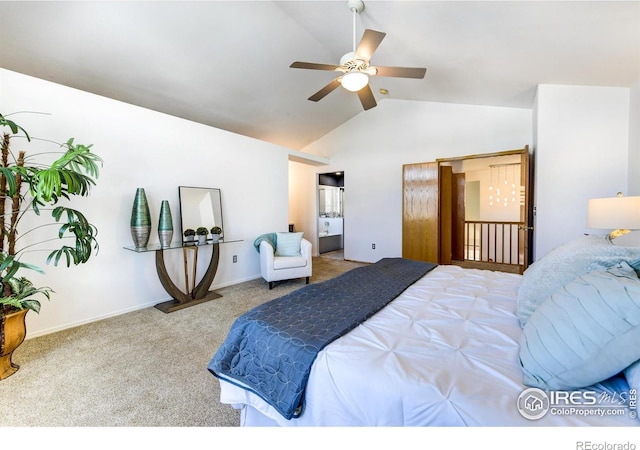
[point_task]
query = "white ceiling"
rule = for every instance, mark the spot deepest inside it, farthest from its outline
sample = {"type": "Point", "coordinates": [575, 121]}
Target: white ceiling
{"type": "Point", "coordinates": [226, 63]}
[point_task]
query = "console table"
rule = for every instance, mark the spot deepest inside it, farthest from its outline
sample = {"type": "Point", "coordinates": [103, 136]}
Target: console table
{"type": "Point", "coordinates": [197, 293]}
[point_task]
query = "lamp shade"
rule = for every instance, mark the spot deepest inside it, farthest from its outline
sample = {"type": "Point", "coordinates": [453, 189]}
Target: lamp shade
{"type": "Point", "coordinates": [614, 213]}
{"type": "Point", "coordinates": [354, 81]}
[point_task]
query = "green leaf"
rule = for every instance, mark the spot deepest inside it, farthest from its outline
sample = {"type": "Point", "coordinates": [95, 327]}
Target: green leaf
{"type": "Point", "coordinates": [32, 304]}
{"type": "Point", "coordinates": [13, 126]}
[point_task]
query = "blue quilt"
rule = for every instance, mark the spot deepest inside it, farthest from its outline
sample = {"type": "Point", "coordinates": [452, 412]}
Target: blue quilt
{"type": "Point", "coordinates": [270, 349]}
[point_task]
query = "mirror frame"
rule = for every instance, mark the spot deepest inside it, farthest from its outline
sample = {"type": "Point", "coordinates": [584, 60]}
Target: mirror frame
{"type": "Point", "coordinates": [187, 196]}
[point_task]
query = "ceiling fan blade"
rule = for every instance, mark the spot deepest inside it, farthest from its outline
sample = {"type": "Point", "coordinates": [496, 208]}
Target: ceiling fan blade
{"type": "Point", "coordinates": [401, 72]}
{"type": "Point", "coordinates": [369, 43]}
{"type": "Point", "coordinates": [314, 66]}
{"type": "Point", "coordinates": [366, 97]}
{"type": "Point", "coordinates": [325, 90]}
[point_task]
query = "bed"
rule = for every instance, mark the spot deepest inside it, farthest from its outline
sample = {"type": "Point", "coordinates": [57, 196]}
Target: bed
{"type": "Point", "coordinates": [467, 347]}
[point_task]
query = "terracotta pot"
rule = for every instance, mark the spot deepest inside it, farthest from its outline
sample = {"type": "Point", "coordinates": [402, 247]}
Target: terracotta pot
{"type": "Point", "coordinates": [12, 333]}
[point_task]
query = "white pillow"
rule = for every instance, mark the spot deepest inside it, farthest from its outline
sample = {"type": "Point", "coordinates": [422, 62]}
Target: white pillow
{"type": "Point", "coordinates": [288, 244]}
{"type": "Point", "coordinates": [585, 332]}
{"type": "Point", "coordinates": [565, 263]}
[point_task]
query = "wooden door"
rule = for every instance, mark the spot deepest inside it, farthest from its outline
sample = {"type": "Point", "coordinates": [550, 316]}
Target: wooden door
{"type": "Point", "coordinates": [420, 227]}
{"type": "Point", "coordinates": [526, 213]}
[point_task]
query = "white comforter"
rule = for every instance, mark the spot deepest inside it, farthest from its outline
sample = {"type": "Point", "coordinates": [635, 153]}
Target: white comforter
{"type": "Point", "coordinates": [443, 353]}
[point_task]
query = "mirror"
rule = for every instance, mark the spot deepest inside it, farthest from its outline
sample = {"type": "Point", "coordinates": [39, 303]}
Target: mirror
{"type": "Point", "coordinates": [200, 207]}
{"type": "Point", "coordinates": [331, 194]}
{"type": "Point", "coordinates": [330, 201]}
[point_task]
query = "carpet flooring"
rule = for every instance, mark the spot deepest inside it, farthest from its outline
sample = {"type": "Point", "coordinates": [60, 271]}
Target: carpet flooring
{"type": "Point", "coordinates": [140, 369]}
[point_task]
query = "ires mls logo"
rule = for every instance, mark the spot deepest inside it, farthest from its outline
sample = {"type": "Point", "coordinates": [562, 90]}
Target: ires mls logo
{"type": "Point", "coordinates": [534, 403]}
{"type": "Point", "coordinates": [574, 398]}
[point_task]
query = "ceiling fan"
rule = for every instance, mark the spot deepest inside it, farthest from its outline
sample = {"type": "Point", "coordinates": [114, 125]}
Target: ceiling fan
{"type": "Point", "coordinates": [355, 68]}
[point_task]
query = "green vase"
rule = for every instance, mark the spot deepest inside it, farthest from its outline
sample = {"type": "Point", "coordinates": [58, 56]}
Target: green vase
{"type": "Point", "coordinates": [140, 219]}
{"type": "Point", "coordinates": [165, 224]}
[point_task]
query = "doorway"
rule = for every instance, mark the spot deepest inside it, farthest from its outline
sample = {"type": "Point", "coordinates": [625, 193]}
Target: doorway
{"type": "Point", "coordinates": [330, 239]}
{"type": "Point", "coordinates": [472, 211]}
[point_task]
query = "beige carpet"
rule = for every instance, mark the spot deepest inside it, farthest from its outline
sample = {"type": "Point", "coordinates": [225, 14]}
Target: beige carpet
{"type": "Point", "coordinates": [145, 368]}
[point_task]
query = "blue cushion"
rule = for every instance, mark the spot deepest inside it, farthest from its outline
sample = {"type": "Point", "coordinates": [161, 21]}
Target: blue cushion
{"type": "Point", "coordinates": [585, 332]}
{"type": "Point", "coordinates": [632, 373]}
{"type": "Point", "coordinates": [288, 244]}
{"type": "Point", "coordinates": [565, 263]}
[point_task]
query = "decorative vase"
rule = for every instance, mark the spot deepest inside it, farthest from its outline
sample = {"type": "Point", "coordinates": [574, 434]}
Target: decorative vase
{"type": "Point", "coordinates": [202, 239]}
{"type": "Point", "coordinates": [12, 333]}
{"type": "Point", "coordinates": [140, 219]}
{"type": "Point", "coordinates": [165, 224]}
{"type": "Point", "coordinates": [215, 237]}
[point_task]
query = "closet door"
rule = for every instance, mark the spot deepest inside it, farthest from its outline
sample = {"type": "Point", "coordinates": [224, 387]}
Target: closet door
{"type": "Point", "coordinates": [420, 211]}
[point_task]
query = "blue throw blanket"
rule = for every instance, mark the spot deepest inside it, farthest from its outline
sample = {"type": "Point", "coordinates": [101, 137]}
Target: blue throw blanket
{"type": "Point", "coordinates": [271, 238]}
{"type": "Point", "coordinates": [270, 349]}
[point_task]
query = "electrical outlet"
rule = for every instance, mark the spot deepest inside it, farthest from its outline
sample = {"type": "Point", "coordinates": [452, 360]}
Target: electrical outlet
{"type": "Point", "coordinates": [373, 246]}
{"type": "Point", "coordinates": [235, 258]}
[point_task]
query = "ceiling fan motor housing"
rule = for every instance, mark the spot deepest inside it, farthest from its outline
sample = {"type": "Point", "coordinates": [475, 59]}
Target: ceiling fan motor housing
{"type": "Point", "coordinates": [356, 5]}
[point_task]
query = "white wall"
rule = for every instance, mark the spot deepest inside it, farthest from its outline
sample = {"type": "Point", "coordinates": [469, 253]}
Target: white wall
{"type": "Point", "coordinates": [302, 210]}
{"type": "Point", "coordinates": [372, 147]}
{"type": "Point", "coordinates": [582, 152]}
{"type": "Point", "coordinates": [143, 148]}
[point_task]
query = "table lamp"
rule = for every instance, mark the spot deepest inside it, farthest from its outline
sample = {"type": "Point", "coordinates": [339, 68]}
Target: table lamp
{"type": "Point", "coordinates": [621, 214]}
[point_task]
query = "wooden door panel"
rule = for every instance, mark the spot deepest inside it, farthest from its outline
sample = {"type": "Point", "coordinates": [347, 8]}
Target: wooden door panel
{"type": "Point", "coordinates": [420, 212]}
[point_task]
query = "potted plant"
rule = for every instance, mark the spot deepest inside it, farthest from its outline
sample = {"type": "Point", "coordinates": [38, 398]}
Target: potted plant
{"type": "Point", "coordinates": [202, 233]}
{"type": "Point", "coordinates": [215, 233]}
{"type": "Point", "coordinates": [29, 187]}
{"type": "Point", "coordinates": [189, 234]}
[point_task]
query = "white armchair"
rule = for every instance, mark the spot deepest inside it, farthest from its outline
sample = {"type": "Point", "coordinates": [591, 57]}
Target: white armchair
{"type": "Point", "coordinates": [278, 268]}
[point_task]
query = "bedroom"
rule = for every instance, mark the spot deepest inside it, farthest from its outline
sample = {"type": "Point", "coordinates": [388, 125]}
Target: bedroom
{"type": "Point", "coordinates": [596, 126]}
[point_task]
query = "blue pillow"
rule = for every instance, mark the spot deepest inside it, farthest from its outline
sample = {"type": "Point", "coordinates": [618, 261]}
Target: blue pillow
{"type": "Point", "coordinates": [632, 374]}
{"type": "Point", "coordinates": [288, 244]}
{"type": "Point", "coordinates": [565, 263]}
{"type": "Point", "coordinates": [585, 332]}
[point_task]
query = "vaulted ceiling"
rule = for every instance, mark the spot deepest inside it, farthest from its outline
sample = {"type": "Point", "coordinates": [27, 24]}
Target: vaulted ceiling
{"type": "Point", "coordinates": [226, 63]}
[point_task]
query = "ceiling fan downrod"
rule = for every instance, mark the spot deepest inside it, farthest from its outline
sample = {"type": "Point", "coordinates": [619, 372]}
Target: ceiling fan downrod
{"type": "Point", "coordinates": [355, 6]}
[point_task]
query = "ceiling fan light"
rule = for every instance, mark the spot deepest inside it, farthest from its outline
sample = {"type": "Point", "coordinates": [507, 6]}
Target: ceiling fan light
{"type": "Point", "coordinates": [354, 81]}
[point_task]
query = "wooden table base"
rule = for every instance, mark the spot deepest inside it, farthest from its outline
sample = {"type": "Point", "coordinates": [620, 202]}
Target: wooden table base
{"type": "Point", "coordinates": [174, 305]}
{"type": "Point", "coordinates": [198, 294]}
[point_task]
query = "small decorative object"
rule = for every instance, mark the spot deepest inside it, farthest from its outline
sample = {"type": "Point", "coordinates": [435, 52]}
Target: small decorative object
{"type": "Point", "coordinates": [189, 234]}
{"type": "Point", "coordinates": [140, 219]}
{"type": "Point", "coordinates": [215, 233]}
{"type": "Point", "coordinates": [202, 233]}
{"type": "Point", "coordinates": [165, 224]}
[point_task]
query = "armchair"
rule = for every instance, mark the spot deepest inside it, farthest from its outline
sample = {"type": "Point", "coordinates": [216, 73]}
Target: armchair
{"type": "Point", "coordinates": [278, 268]}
